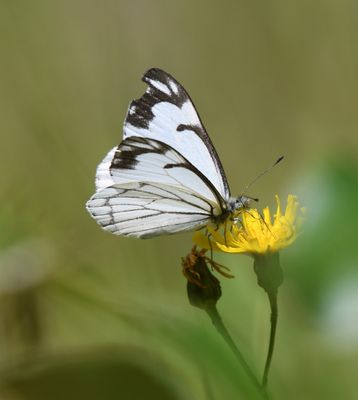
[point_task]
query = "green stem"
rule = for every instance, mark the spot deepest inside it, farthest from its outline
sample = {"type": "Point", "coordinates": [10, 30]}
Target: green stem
{"type": "Point", "coordinates": [221, 328]}
{"type": "Point", "coordinates": [272, 295]}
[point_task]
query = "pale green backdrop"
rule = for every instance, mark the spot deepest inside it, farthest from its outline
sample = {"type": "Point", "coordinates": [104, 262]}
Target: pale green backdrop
{"type": "Point", "coordinates": [87, 315]}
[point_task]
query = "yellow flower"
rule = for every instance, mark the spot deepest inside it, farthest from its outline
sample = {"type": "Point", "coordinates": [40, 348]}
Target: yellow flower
{"type": "Point", "coordinates": [256, 234]}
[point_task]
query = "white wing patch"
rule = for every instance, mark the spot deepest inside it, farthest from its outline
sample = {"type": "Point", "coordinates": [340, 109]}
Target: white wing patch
{"type": "Point", "coordinates": [160, 86]}
{"type": "Point", "coordinates": [166, 113]}
{"type": "Point", "coordinates": [144, 210]}
{"type": "Point", "coordinates": [103, 175]}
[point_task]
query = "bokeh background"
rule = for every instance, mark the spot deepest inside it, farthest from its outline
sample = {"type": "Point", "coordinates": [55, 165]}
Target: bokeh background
{"type": "Point", "coordinates": [87, 315]}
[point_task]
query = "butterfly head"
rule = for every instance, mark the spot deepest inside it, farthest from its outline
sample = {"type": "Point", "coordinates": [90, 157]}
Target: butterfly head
{"type": "Point", "coordinates": [240, 203]}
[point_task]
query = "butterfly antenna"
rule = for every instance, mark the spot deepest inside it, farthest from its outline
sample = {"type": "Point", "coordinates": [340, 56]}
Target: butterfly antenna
{"type": "Point", "coordinates": [261, 174]}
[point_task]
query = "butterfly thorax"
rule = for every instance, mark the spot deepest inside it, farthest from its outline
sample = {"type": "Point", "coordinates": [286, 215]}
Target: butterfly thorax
{"type": "Point", "coordinates": [235, 204]}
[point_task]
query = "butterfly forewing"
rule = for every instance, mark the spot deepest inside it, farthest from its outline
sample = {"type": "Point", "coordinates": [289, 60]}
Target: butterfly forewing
{"type": "Point", "coordinates": [166, 113]}
{"type": "Point", "coordinates": [103, 174]}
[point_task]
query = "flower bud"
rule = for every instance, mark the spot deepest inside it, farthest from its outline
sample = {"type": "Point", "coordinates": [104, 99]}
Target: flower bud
{"type": "Point", "coordinates": [203, 287]}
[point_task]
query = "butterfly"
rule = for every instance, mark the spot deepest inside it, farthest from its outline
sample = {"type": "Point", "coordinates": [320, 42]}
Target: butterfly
{"type": "Point", "coordinates": [165, 176]}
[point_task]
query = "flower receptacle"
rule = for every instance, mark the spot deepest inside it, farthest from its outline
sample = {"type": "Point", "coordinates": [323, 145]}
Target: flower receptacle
{"type": "Point", "coordinates": [268, 271]}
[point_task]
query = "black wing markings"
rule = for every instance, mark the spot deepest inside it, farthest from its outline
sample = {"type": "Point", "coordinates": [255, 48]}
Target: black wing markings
{"type": "Point", "coordinates": [140, 110]}
{"type": "Point", "coordinates": [127, 158]}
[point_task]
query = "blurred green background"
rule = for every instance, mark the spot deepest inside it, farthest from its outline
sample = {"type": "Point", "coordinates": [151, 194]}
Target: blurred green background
{"type": "Point", "coordinates": [84, 314]}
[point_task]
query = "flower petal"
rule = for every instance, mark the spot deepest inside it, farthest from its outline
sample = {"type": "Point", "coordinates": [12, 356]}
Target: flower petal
{"type": "Point", "coordinates": [256, 234]}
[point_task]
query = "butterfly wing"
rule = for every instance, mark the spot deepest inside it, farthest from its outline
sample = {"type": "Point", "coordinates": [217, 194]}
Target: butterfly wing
{"type": "Point", "coordinates": [166, 113]}
{"type": "Point", "coordinates": [145, 210]}
{"type": "Point", "coordinates": [154, 191]}
{"type": "Point", "coordinates": [103, 173]}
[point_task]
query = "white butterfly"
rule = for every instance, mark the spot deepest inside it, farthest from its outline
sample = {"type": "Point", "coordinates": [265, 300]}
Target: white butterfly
{"type": "Point", "coordinates": [165, 176]}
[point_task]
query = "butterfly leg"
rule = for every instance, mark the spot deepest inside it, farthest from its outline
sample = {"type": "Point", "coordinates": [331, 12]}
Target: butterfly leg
{"type": "Point", "coordinates": [210, 245]}
{"type": "Point", "coordinates": [234, 221]}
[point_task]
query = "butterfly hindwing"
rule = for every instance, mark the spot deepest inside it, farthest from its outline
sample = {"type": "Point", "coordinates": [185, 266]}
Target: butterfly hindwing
{"type": "Point", "coordinates": [166, 113]}
{"type": "Point", "coordinates": [144, 210]}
